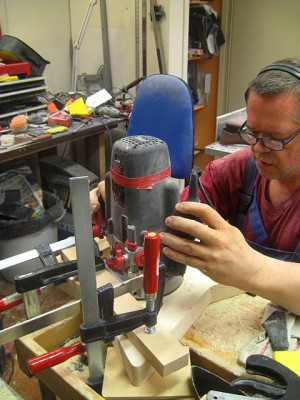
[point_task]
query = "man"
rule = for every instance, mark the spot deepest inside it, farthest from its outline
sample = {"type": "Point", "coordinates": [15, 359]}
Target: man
{"type": "Point", "coordinates": [262, 256]}
{"type": "Point", "coordinates": [272, 226]}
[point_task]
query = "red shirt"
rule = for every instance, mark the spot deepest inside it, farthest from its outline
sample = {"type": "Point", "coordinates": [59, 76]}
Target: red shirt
{"type": "Point", "coordinates": [222, 181]}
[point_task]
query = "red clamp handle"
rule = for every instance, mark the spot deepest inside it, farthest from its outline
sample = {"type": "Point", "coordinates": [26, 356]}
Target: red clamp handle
{"type": "Point", "coordinates": [151, 262]}
{"type": "Point", "coordinates": [52, 358]}
{"type": "Point", "coordinates": [97, 227]}
{"type": "Point", "coordinates": [10, 301]}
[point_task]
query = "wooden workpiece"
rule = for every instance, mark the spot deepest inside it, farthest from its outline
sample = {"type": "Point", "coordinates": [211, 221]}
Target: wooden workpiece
{"type": "Point", "coordinates": [220, 332]}
{"type": "Point", "coordinates": [201, 314]}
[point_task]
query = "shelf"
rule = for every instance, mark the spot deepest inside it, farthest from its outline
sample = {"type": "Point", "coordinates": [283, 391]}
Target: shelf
{"type": "Point", "coordinates": [200, 2]}
{"type": "Point", "coordinates": [196, 58]}
{"type": "Point", "coordinates": [198, 66]}
{"type": "Point", "coordinates": [198, 107]}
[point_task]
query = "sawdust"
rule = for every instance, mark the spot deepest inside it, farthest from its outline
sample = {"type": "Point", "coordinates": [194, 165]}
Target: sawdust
{"type": "Point", "coordinates": [224, 328]}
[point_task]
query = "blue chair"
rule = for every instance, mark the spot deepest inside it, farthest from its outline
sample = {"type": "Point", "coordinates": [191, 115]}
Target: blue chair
{"type": "Point", "coordinates": [163, 108]}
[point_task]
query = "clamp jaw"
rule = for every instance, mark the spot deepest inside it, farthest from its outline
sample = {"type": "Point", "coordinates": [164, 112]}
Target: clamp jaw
{"type": "Point", "coordinates": [111, 325]}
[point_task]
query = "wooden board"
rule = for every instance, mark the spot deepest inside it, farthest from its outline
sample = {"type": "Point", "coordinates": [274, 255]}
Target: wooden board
{"type": "Point", "coordinates": [67, 385]}
{"type": "Point", "coordinates": [220, 332]}
{"type": "Point", "coordinates": [118, 386]}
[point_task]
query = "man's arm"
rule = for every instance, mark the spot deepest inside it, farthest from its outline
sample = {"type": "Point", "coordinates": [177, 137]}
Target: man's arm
{"type": "Point", "coordinates": [223, 254]}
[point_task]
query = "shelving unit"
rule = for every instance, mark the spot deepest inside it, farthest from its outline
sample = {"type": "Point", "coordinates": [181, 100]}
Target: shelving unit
{"type": "Point", "coordinates": [205, 115]}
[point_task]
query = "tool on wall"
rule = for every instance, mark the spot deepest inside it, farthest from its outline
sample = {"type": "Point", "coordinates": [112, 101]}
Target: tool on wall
{"type": "Point", "coordinates": [158, 37]}
{"type": "Point", "coordinates": [104, 73]}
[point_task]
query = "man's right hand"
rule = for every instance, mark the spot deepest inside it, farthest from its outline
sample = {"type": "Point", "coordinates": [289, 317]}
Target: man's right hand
{"type": "Point", "coordinates": [95, 195]}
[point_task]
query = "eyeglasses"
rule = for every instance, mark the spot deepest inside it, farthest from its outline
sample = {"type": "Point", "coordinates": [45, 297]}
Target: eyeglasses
{"type": "Point", "coordinates": [272, 144]}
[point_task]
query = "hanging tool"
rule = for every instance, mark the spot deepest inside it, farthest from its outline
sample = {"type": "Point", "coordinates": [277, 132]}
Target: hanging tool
{"type": "Point", "coordinates": [158, 38]}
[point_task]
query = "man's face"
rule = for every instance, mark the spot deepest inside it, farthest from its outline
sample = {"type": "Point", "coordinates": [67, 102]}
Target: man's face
{"type": "Point", "coordinates": [272, 117]}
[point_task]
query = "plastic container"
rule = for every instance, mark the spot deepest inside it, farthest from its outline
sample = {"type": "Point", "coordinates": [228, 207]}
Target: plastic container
{"type": "Point", "coordinates": [7, 140]}
{"type": "Point", "coordinates": [18, 236]}
{"type": "Point", "coordinates": [18, 124]}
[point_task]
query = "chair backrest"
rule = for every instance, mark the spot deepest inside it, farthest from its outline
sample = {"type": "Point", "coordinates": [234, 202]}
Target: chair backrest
{"type": "Point", "coordinates": [163, 108]}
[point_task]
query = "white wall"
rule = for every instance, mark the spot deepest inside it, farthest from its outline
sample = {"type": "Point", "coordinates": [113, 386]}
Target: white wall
{"type": "Point", "coordinates": [50, 27]}
{"type": "Point", "coordinates": [44, 26]}
{"type": "Point", "coordinates": [258, 32]}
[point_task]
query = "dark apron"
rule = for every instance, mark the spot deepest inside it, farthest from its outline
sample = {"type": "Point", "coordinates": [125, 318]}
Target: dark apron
{"type": "Point", "coordinates": [248, 206]}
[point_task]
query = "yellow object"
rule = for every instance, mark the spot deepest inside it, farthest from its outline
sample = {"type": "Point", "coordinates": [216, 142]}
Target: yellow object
{"type": "Point", "coordinates": [291, 359]}
{"type": "Point", "coordinates": [56, 129]}
{"type": "Point", "coordinates": [78, 107]}
{"type": "Point", "coordinates": [8, 78]}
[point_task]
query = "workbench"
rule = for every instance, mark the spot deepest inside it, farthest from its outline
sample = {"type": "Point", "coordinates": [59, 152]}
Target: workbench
{"type": "Point", "coordinates": [222, 320]}
{"type": "Point", "coordinates": [92, 134]}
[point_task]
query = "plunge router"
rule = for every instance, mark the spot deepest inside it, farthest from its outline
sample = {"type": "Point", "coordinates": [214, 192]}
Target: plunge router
{"type": "Point", "coordinates": [140, 194]}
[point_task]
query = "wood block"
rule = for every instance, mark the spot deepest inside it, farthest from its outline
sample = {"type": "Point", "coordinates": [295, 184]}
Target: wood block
{"type": "Point", "coordinates": [117, 385]}
{"type": "Point", "coordinates": [135, 364]}
{"type": "Point", "coordinates": [161, 349]}
{"type": "Point", "coordinates": [70, 252]}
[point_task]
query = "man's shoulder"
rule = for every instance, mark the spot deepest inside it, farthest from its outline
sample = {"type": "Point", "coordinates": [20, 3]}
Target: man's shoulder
{"type": "Point", "coordinates": [234, 161]}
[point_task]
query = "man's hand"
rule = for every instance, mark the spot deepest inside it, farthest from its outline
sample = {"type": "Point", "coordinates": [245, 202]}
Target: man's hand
{"type": "Point", "coordinates": [220, 252]}
{"type": "Point", "coordinates": [95, 195]}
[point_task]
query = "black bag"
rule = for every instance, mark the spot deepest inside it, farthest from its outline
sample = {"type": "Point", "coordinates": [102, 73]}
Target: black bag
{"type": "Point", "coordinates": [14, 50]}
{"type": "Point", "coordinates": [204, 29]}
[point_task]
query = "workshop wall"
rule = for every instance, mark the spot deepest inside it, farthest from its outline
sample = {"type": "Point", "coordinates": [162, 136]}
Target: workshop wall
{"type": "Point", "coordinates": [44, 26]}
{"type": "Point", "coordinates": [257, 33]}
{"type": "Point", "coordinates": [51, 27]}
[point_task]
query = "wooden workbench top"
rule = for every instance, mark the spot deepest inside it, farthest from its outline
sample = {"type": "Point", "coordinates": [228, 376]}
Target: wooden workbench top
{"type": "Point", "coordinates": [221, 331]}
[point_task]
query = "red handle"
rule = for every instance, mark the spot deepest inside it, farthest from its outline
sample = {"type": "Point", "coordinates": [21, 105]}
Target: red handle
{"type": "Point", "coordinates": [97, 227]}
{"type": "Point", "coordinates": [10, 301]}
{"type": "Point", "coordinates": [151, 261]}
{"type": "Point", "coordinates": [52, 358]}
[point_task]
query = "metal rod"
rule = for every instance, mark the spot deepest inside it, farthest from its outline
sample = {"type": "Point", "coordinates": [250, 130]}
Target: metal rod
{"type": "Point", "coordinates": [79, 189]}
{"type": "Point", "coordinates": [106, 54]}
{"type": "Point", "coordinates": [158, 39]}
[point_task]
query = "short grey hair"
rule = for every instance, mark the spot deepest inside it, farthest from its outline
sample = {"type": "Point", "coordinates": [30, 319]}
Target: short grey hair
{"type": "Point", "coordinates": [276, 82]}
